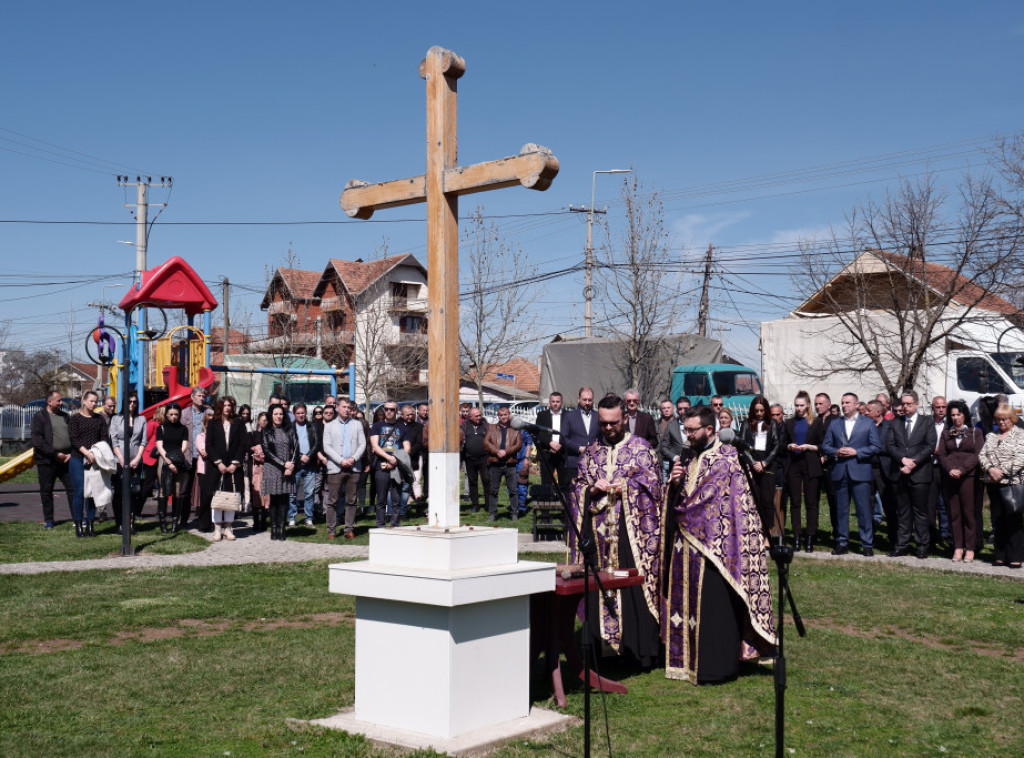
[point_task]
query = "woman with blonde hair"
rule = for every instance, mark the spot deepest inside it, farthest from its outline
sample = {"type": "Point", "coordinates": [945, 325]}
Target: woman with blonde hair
{"type": "Point", "coordinates": [1002, 464]}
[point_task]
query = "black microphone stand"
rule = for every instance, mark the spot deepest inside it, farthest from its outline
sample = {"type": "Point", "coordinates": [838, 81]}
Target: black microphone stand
{"type": "Point", "coordinates": [782, 554]}
{"type": "Point", "coordinates": [588, 549]}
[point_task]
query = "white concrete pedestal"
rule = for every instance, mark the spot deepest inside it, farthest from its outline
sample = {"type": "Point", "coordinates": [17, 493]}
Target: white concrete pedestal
{"type": "Point", "coordinates": [442, 628]}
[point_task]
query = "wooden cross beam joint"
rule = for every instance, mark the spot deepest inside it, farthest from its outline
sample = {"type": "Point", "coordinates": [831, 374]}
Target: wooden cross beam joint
{"type": "Point", "coordinates": [534, 168]}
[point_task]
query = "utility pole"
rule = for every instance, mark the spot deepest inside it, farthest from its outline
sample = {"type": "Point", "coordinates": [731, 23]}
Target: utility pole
{"type": "Point", "coordinates": [702, 314]}
{"type": "Point", "coordinates": [227, 314]}
{"type": "Point", "coordinates": [588, 287]}
{"type": "Point", "coordinates": [141, 214]}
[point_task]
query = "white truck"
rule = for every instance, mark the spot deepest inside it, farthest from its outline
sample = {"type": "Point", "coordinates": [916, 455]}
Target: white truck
{"type": "Point", "coordinates": [984, 356]}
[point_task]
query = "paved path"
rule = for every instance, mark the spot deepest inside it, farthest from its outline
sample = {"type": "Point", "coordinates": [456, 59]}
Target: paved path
{"type": "Point", "coordinates": [258, 548]}
{"type": "Point", "coordinates": [254, 548]}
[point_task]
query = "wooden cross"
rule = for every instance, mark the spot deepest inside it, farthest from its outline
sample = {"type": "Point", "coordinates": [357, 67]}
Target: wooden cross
{"type": "Point", "coordinates": [534, 167]}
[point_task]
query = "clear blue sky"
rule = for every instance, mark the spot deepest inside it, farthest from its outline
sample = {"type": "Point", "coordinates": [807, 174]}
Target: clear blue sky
{"type": "Point", "coordinates": [262, 111]}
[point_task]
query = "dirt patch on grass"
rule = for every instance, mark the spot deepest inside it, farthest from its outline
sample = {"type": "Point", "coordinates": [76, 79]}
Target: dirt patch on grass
{"type": "Point", "coordinates": [876, 632]}
{"type": "Point", "coordinates": [43, 646]}
{"type": "Point", "coordinates": [189, 628]}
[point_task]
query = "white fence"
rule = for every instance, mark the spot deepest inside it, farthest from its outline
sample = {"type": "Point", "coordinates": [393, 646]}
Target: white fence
{"type": "Point", "coordinates": [16, 422]}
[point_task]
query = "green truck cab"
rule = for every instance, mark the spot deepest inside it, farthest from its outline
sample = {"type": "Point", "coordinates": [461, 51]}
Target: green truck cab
{"type": "Point", "coordinates": [735, 383]}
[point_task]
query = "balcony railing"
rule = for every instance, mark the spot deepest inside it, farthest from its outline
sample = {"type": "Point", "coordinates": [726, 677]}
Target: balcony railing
{"type": "Point", "coordinates": [328, 304]}
{"type": "Point", "coordinates": [408, 304]}
{"type": "Point", "coordinates": [281, 306]}
{"type": "Point", "coordinates": [411, 339]}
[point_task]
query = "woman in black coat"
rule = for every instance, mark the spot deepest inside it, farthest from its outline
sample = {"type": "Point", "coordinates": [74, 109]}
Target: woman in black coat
{"type": "Point", "coordinates": [226, 439]}
{"type": "Point", "coordinates": [764, 440]}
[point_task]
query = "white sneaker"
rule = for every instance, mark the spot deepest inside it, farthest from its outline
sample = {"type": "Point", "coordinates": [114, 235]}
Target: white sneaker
{"type": "Point", "coordinates": [291, 522]}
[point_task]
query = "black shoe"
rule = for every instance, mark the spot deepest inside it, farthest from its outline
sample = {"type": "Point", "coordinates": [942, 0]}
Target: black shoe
{"type": "Point", "coordinates": [868, 552]}
{"type": "Point", "coordinates": [922, 553]}
{"type": "Point", "coordinates": [89, 531]}
{"type": "Point", "coordinates": [840, 550]}
{"type": "Point", "coordinates": [79, 531]}
{"type": "Point", "coordinates": [898, 552]}
{"type": "Point", "coordinates": [809, 544]}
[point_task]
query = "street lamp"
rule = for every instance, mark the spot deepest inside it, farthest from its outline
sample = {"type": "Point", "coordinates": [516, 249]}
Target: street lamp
{"type": "Point", "coordinates": [588, 289]}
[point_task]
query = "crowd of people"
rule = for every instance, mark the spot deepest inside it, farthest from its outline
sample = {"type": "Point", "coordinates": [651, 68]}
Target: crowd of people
{"type": "Point", "coordinates": [691, 499]}
{"type": "Point", "coordinates": [208, 463]}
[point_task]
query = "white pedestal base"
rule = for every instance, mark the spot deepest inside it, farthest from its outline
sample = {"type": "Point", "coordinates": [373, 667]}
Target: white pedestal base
{"type": "Point", "coordinates": [442, 628]}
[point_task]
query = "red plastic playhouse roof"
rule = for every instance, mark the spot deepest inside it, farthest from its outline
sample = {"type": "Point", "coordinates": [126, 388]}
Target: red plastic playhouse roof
{"type": "Point", "coordinates": [173, 284]}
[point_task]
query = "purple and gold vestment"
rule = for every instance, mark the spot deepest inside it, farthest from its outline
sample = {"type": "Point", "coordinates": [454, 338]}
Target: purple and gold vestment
{"type": "Point", "coordinates": [717, 529]}
{"type": "Point", "coordinates": [633, 515]}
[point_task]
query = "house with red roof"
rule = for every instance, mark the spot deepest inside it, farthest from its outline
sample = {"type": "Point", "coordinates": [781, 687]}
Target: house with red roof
{"type": "Point", "coordinates": [879, 312]}
{"type": "Point", "coordinates": [370, 313]}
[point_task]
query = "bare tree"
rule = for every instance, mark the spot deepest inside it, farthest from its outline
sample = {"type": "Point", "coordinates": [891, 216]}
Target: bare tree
{"type": "Point", "coordinates": [643, 300]}
{"type": "Point", "coordinates": [495, 323]}
{"type": "Point", "coordinates": [903, 275]}
{"type": "Point", "coordinates": [1010, 164]}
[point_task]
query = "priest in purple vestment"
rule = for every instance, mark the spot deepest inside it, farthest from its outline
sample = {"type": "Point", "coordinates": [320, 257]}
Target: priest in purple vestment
{"type": "Point", "coordinates": [718, 609]}
{"type": "Point", "coordinates": [619, 482]}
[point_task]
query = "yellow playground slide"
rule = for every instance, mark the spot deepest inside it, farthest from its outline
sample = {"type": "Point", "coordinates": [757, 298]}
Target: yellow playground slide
{"type": "Point", "coordinates": [16, 465]}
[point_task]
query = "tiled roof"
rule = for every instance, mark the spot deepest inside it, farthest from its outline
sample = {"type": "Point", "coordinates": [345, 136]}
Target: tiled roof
{"type": "Point", "coordinates": [91, 370]}
{"type": "Point", "coordinates": [965, 291]}
{"type": "Point", "coordinates": [525, 371]}
{"type": "Point", "coordinates": [356, 276]}
{"type": "Point", "coordinates": [300, 282]}
{"type": "Point", "coordinates": [937, 277]}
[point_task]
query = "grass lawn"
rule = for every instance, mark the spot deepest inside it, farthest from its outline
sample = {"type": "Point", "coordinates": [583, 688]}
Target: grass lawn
{"type": "Point", "coordinates": [211, 661]}
{"type": "Point", "coordinates": [24, 541]}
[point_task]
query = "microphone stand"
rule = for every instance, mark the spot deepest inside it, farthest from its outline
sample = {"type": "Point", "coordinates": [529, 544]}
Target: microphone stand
{"type": "Point", "coordinates": [782, 554]}
{"type": "Point", "coordinates": [588, 549]}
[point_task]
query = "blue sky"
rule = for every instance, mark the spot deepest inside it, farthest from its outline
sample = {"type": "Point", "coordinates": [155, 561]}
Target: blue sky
{"type": "Point", "coordinates": [261, 112]}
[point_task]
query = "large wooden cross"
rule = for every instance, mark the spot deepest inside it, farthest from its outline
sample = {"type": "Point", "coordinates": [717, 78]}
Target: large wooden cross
{"type": "Point", "coordinates": [534, 167]}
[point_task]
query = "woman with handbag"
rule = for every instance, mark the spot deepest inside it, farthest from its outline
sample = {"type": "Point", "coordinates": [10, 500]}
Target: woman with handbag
{"type": "Point", "coordinates": [224, 478]}
{"type": "Point", "coordinates": [957, 452]}
{"type": "Point", "coordinates": [281, 457]}
{"type": "Point", "coordinates": [175, 462]}
{"type": "Point", "coordinates": [1002, 462]}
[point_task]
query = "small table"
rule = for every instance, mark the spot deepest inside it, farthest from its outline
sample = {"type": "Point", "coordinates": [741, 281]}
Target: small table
{"type": "Point", "coordinates": [552, 628]}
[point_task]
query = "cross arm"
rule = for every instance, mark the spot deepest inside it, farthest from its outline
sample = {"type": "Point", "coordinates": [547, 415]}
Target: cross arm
{"type": "Point", "coordinates": [534, 167]}
{"type": "Point", "coordinates": [360, 199]}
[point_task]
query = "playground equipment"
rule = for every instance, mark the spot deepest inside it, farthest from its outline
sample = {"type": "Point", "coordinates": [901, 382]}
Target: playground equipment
{"type": "Point", "coordinates": [16, 465]}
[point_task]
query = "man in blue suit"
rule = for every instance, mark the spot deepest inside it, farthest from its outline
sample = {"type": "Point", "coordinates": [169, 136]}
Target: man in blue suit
{"type": "Point", "coordinates": [852, 442]}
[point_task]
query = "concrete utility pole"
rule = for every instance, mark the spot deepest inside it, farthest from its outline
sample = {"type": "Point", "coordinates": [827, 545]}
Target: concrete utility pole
{"type": "Point", "coordinates": [702, 314]}
{"type": "Point", "coordinates": [588, 286]}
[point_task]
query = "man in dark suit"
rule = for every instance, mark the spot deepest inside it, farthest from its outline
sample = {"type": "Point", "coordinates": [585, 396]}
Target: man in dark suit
{"type": "Point", "coordinates": [579, 429]}
{"type": "Point", "coordinates": [639, 423]}
{"type": "Point", "coordinates": [911, 445]}
{"type": "Point", "coordinates": [550, 451]}
{"type": "Point", "coordinates": [853, 442]}
{"type": "Point", "coordinates": [881, 464]}
{"type": "Point", "coordinates": [673, 439]}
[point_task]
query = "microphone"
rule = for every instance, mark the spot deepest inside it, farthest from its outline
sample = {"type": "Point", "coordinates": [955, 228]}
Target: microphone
{"type": "Point", "coordinates": [729, 437]}
{"type": "Point", "coordinates": [532, 428]}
